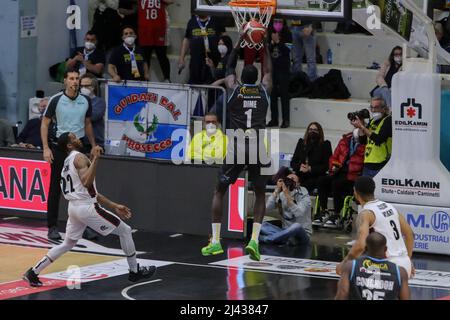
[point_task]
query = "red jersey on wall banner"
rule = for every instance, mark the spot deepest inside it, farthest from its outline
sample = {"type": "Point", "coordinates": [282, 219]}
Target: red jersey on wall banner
{"type": "Point", "coordinates": [153, 24]}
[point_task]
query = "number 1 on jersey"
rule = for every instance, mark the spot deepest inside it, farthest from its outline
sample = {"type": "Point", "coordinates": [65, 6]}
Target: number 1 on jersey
{"type": "Point", "coordinates": [249, 118]}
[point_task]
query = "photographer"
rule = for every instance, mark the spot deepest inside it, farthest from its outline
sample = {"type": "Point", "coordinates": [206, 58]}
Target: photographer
{"type": "Point", "coordinates": [378, 135]}
{"type": "Point", "coordinates": [294, 205]}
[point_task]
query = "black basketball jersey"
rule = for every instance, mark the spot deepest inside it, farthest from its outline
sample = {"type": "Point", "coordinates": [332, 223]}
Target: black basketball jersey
{"type": "Point", "coordinates": [247, 107]}
{"type": "Point", "coordinates": [374, 279]}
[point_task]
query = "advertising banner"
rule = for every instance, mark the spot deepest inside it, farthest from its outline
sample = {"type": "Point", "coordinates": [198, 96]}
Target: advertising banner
{"type": "Point", "coordinates": [415, 174]}
{"type": "Point", "coordinates": [24, 184]}
{"type": "Point", "coordinates": [396, 16]}
{"type": "Point", "coordinates": [431, 226]}
{"type": "Point", "coordinates": [146, 118]}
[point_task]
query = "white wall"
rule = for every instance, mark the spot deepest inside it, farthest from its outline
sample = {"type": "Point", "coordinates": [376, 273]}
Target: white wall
{"type": "Point", "coordinates": [53, 36]}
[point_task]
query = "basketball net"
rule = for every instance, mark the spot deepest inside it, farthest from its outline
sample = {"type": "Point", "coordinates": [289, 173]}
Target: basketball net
{"type": "Point", "coordinates": [245, 10]}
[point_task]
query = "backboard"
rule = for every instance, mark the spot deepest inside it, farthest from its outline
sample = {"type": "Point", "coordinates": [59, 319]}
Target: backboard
{"type": "Point", "coordinates": [291, 9]}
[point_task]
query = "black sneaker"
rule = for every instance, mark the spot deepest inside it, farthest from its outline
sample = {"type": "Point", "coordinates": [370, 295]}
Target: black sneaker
{"type": "Point", "coordinates": [285, 125]}
{"type": "Point", "coordinates": [32, 278]}
{"type": "Point", "coordinates": [331, 223]}
{"type": "Point", "coordinates": [53, 234]}
{"type": "Point", "coordinates": [143, 273]}
{"type": "Point", "coordinates": [272, 123]}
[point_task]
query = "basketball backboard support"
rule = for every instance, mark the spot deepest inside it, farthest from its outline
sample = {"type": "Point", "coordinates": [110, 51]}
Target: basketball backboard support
{"type": "Point", "coordinates": [323, 10]}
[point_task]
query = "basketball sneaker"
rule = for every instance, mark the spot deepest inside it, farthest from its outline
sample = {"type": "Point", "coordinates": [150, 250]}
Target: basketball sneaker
{"type": "Point", "coordinates": [32, 278]}
{"type": "Point", "coordinates": [212, 249]}
{"type": "Point", "coordinates": [143, 273]}
{"type": "Point", "coordinates": [253, 250]}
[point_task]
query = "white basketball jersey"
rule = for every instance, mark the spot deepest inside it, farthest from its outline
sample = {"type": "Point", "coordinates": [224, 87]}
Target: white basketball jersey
{"type": "Point", "coordinates": [388, 224]}
{"type": "Point", "coordinates": [71, 186]}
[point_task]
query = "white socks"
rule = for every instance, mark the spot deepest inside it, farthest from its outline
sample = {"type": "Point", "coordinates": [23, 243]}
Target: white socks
{"type": "Point", "coordinates": [256, 231]}
{"type": "Point", "coordinates": [215, 233]}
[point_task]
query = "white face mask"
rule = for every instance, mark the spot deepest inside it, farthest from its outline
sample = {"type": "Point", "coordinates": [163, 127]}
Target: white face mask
{"type": "Point", "coordinates": [211, 129]}
{"type": "Point", "coordinates": [377, 116]}
{"type": "Point", "coordinates": [130, 41]}
{"type": "Point", "coordinates": [86, 92]}
{"type": "Point", "coordinates": [398, 60]}
{"type": "Point", "coordinates": [89, 45]}
{"type": "Point", "coordinates": [102, 7]}
{"type": "Point", "coordinates": [356, 134]}
{"type": "Point", "coordinates": [223, 50]}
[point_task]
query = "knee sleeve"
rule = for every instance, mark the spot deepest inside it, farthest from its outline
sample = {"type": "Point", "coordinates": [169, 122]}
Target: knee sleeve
{"type": "Point", "coordinates": [58, 251]}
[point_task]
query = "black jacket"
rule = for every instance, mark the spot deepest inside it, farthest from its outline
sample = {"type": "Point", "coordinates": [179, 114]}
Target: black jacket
{"type": "Point", "coordinates": [318, 156]}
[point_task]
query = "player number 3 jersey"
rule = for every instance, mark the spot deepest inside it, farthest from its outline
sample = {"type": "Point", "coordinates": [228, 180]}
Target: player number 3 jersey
{"type": "Point", "coordinates": [388, 224]}
{"type": "Point", "coordinates": [71, 185]}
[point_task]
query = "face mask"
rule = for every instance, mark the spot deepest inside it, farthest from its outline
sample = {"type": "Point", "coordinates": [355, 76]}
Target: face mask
{"type": "Point", "coordinates": [377, 116]}
{"type": "Point", "coordinates": [86, 92]}
{"type": "Point", "coordinates": [398, 60]}
{"type": "Point", "coordinates": [222, 49]}
{"type": "Point", "coordinates": [211, 129]}
{"type": "Point", "coordinates": [278, 26]}
{"type": "Point", "coordinates": [130, 40]}
{"type": "Point", "coordinates": [313, 136]}
{"type": "Point", "coordinates": [89, 45]}
{"type": "Point", "coordinates": [102, 7]}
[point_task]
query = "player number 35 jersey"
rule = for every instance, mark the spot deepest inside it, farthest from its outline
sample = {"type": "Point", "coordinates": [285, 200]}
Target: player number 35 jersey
{"type": "Point", "coordinates": [71, 185]}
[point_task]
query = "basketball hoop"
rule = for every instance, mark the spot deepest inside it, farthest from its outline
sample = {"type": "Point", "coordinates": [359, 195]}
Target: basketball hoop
{"type": "Point", "coordinates": [246, 10]}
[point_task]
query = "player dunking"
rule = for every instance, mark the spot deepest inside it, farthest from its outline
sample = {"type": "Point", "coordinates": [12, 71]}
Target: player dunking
{"type": "Point", "coordinates": [246, 109]}
{"type": "Point", "coordinates": [85, 209]}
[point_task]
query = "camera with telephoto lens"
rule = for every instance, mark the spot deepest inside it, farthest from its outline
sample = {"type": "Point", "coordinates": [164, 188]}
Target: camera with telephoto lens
{"type": "Point", "coordinates": [289, 183]}
{"type": "Point", "coordinates": [362, 114]}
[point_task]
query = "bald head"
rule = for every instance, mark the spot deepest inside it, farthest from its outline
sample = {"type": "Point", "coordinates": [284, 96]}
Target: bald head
{"type": "Point", "coordinates": [376, 245]}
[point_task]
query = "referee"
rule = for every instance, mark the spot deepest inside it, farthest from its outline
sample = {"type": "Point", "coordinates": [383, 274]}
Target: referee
{"type": "Point", "coordinates": [71, 111]}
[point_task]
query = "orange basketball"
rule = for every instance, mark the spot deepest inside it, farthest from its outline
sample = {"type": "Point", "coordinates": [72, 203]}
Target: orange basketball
{"type": "Point", "coordinates": [254, 31]}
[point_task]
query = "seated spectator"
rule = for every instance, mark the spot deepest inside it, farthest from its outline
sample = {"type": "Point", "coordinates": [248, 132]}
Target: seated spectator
{"type": "Point", "coordinates": [201, 39]}
{"type": "Point", "coordinates": [377, 136]}
{"type": "Point", "coordinates": [7, 138]}
{"type": "Point", "coordinates": [294, 205]}
{"type": "Point", "coordinates": [210, 145]}
{"type": "Point", "coordinates": [127, 61]}
{"type": "Point", "coordinates": [310, 159]}
{"type": "Point", "coordinates": [89, 87]}
{"type": "Point", "coordinates": [30, 137]}
{"type": "Point", "coordinates": [385, 74]}
{"type": "Point", "coordinates": [280, 52]}
{"type": "Point", "coordinates": [345, 166]}
{"type": "Point", "coordinates": [88, 58]}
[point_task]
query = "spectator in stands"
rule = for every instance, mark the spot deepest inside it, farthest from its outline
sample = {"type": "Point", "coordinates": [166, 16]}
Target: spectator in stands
{"type": "Point", "coordinates": [218, 71]}
{"type": "Point", "coordinates": [385, 74]}
{"type": "Point", "coordinates": [377, 136]}
{"type": "Point", "coordinates": [107, 24]}
{"type": "Point", "coordinates": [345, 166]}
{"type": "Point", "coordinates": [88, 58]}
{"type": "Point", "coordinates": [154, 32]}
{"type": "Point", "coordinates": [30, 137]}
{"type": "Point", "coordinates": [201, 38]}
{"type": "Point", "coordinates": [89, 87]}
{"type": "Point", "coordinates": [128, 12]}
{"type": "Point", "coordinates": [280, 52]}
{"type": "Point", "coordinates": [127, 60]}
{"type": "Point", "coordinates": [294, 205]}
{"type": "Point", "coordinates": [210, 145]}
{"type": "Point", "coordinates": [310, 159]}
{"type": "Point", "coordinates": [6, 134]}
{"type": "Point", "coordinates": [304, 40]}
